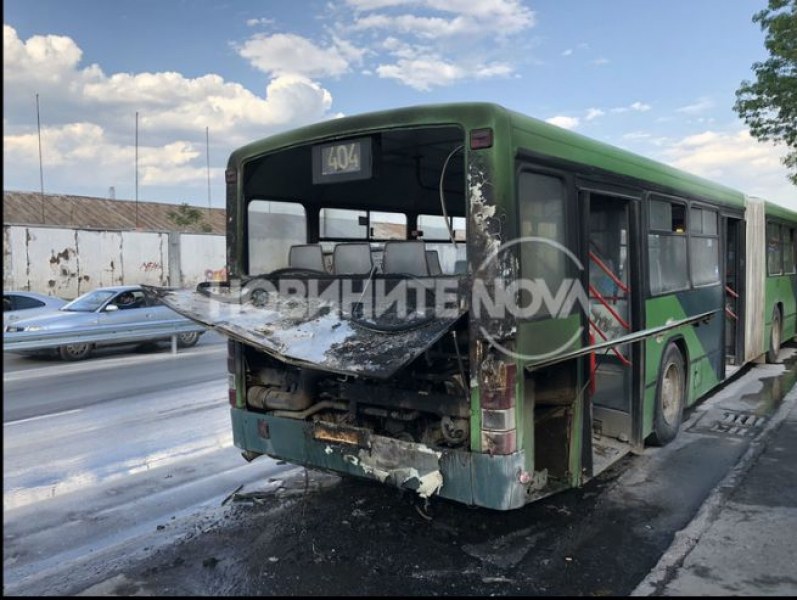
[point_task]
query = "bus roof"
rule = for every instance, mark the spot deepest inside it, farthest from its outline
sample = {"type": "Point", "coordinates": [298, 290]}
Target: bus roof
{"type": "Point", "coordinates": [534, 134]}
{"type": "Point", "coordinates": [776, 210]}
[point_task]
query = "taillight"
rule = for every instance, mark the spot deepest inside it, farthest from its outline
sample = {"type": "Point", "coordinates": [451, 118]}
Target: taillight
{"type": "Point", "coordinates": [232, 390]}
{"type": "Point", "coordinates": [232, 353]}
{"type": "Point", "coordinates": [499, 429]}
{"type": "Point", "coordinates": [233, 349]}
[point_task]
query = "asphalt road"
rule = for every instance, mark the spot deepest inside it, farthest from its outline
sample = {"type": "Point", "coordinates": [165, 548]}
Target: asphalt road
{"type": "Point", "coordinates": [119, 476]}
{"type": "Point", "coordinates": [30, 384]}
{"type": "Point", "coordinates": [99, 454]}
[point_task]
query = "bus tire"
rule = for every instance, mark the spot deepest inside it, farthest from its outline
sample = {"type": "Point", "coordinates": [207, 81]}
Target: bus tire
{"type": "Point", "coordinates": [775, 337]}
{"type": "Point", "coordinates": [670, 397]}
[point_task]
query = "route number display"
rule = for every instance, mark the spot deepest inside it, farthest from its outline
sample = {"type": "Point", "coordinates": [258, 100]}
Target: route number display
{"type": "Point", "coordinates": [342, 161]}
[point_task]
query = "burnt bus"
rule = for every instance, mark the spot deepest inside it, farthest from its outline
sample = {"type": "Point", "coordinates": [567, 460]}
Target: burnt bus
{"type": "Point", "coordinates": [468, 302]}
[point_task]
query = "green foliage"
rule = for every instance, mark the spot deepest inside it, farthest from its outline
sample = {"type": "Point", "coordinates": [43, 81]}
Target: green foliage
{"type": "Point", "coordinates": [188, 216]}
{"type": "Point", "coordinates": [769, 104]}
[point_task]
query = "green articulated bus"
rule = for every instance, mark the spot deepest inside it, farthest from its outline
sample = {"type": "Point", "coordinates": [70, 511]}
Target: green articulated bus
{"type": "Point", "coordinates": [467, 302]}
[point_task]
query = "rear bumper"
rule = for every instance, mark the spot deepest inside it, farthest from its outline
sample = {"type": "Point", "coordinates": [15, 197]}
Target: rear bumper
{"type": "Point", "coordinates": [467, 477]}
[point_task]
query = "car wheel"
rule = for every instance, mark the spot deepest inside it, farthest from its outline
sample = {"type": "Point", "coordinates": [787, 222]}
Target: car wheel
{"type": "Point", "coordinates": [186, 340]}
{"type": "Point", "coordinates": [75, 351]}
{"type": "Point", "coordinates": [670, 397]}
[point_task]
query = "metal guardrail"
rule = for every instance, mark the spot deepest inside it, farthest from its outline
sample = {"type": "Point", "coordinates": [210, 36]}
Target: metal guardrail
{"type": "Point", "coordinates": [40, 340]}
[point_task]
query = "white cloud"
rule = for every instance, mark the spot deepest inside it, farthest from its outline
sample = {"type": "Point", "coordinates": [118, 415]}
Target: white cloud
{"type": "Point", "coordinates": [418, 43]}
{"type": "Point", "coordinates": [734, 159]}
{"type": "Point", "coordinates": [567, 52]}
{"type": "Point", "coordinates": [435, 45]}
{"type": "Point", "coordinates": [636, 135]}
{"type": "Point", "coordinates": [594, 113]}
{"type": "Point", "coordinates": [702, 105]}
{"type": "Point", "coordinates": [365, 5]}
{"type": "Point", "coordinates": [563, 121]}
{"type": "Point", "coordinates": [485, 19]}
{"type": "Point", "coordinates": [635, 106]}
{"type": "Point", "coordinates": [288, 53]}
{"type": "Point", "coordinates": [423, 74]}
{"type": "Point", "coordinates": [260, 21]}
{"type": "Point", "coordinates": [600, 61]}
{"type": "Point", "coordinates": [88, 118]}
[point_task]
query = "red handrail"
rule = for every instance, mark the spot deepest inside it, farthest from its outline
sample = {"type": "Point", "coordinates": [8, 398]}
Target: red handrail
{"type": "Point", "coordinates": [603, 301]}
{"type": "Point", "coordinates": [617, 353]}
{"type": "Point", "coordinates": [731, 292]}
{"type": "Point", "coordinates": [608, 271]}
{"type": "Point", "coordinates": [593, 367]}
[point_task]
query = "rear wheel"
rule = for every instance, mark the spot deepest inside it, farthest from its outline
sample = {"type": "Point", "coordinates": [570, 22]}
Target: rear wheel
{"type": "Point", "coordinates": [186, 340]}
{"type": "Point", "coordinates": [670, 397]}
{"type": "Point", "coordinates": [75, 351]}
{"type": "Point", "coordinates": [775, 337]}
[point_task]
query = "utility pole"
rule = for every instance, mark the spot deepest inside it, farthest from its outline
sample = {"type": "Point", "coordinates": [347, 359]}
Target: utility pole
{"type": "Point", "coordinates": [136, 169]}
{"type": "Point", "coordinates": [41, 167]}
{"type": "Point", "coordinates": [207, 152]}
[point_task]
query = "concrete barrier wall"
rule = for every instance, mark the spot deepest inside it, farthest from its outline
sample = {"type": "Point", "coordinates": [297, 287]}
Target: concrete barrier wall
{"type": "Point", "coordinates": [202, 258]}
{"type": "Point", "coordinates": [70, 262]}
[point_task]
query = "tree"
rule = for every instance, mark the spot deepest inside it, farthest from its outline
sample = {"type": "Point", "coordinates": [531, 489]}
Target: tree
{"type": "Point", "coordinates": [769, 104]}
{"type": "Point", "coordinates": [188, 216]}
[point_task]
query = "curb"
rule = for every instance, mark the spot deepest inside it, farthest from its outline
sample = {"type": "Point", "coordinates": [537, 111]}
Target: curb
{"type": "Point", "coordinates": [687, 538]}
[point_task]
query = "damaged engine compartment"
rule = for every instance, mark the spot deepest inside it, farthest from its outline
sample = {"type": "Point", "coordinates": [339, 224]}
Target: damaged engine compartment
{"type": "Point", "coordinates": [426, 402]}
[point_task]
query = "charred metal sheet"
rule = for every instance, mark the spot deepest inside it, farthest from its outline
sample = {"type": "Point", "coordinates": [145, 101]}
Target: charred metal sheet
{"type": "Point", "coordinates": [492, 336]}
{"type": "Point", "coordinates": [311, 333]}
{"type": "Point", "coordinates": [403, 464]}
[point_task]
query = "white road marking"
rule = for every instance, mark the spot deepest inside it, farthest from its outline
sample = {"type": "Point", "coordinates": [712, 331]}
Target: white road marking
{"type": "Point", "coordinates": [96, 365]}
{"type": "Point", "coordinates": [37, 418]}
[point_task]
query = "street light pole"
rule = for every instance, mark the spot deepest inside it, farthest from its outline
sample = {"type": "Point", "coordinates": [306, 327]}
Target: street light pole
{"type": "Point", "coordinates": [41, 167]}
{"type": "Point", "coordinates": [136, 169]}
{"type": "Point", "coordinates": [207, 152]}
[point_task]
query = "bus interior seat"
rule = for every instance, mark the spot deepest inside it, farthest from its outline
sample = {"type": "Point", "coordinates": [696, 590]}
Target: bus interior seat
{"type": "Point", "coordinates": [433, 263]}
{"type": "Point", "coordinates": [306, 256]}
{"type": "Point", "coordinates": [352, 258]}
{"type": "Point", "coordinates": [460, 267]}
{"type": "Point", "coordinates": [405, 257]}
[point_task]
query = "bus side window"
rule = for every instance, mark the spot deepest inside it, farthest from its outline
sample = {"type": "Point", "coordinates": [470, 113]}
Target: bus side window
{"type": "Point", "coordinates": [542, 214]}
{"type": "Point", "coordinates": [774, 250]}
{"type": "Point", "coordinates": [667, 247]}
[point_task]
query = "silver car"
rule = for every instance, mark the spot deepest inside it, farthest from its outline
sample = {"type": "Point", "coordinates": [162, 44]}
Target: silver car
{"type": "Point", "coordinates": [123, 306]}
{"type": "Point", "coordinates": [21, 305]}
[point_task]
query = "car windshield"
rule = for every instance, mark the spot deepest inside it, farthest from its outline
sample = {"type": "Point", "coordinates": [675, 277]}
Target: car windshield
{"type": "Point", "coordinates": [89, 302]}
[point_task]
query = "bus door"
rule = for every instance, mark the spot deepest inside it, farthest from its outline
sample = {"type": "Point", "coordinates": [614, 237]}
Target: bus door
{"type": "Point", "coordinates": [733, 229]}
{"type": "Point", "coordinates": [612, 257]}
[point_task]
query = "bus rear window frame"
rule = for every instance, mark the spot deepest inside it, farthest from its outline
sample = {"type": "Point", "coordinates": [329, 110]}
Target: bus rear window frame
{"type": "Point", "coordinates": [368, 237]}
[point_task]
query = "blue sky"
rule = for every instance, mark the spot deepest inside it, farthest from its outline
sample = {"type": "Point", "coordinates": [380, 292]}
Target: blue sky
{"type": "Point", "coordinates": [657, 78]}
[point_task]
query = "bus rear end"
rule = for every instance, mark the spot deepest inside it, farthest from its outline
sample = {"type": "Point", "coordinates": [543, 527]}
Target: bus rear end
{"type": "Point", "coordinates": [353, 248]}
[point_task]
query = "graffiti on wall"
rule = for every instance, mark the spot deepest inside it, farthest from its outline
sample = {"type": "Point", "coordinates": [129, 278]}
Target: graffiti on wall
{"type": "Point", "coordinates": [216, 274]}
{"type": "Point", "coordinates": [69, 262]}
{"type": "Point", "coordinates": [150, 266]}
